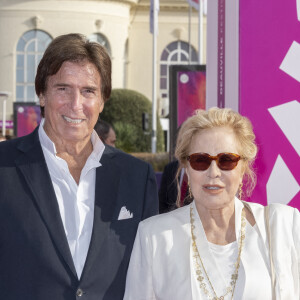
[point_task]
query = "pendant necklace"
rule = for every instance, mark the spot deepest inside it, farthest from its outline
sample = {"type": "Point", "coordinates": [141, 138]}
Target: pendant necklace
{"type": "Point", "coordinates": [202, 274]}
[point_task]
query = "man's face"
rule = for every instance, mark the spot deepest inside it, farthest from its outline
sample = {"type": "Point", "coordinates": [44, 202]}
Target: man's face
{"type": "Point", "coordinates": [72, 102]}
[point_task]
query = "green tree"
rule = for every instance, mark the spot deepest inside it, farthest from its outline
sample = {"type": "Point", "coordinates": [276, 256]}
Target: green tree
{"type": "Point", "coordinates": [124, 110]}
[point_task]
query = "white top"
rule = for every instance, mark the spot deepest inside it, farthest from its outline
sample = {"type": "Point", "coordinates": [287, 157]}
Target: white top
{"type": "Point", "coordinates": [219, 262]}
{"type": "Point", "coordinates": [76, 202]}
{"type": "Point", "coordinates": [162, 265]}
{"type": "Point", "coordinates": [225, 257]}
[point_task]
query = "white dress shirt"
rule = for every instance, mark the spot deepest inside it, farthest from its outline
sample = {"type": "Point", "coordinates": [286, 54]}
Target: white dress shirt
{"type": "Point", "coordinates": [76, 202]}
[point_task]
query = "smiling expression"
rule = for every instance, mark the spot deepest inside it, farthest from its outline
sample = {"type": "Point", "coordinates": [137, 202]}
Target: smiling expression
{"type": "Point", "coordinates": [72, 102]}
{"type": "Point", "coordinates": [214, 188]}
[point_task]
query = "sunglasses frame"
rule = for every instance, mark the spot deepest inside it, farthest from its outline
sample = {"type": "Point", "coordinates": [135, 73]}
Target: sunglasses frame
{"type": "Point", "coordinates": [216, 158]}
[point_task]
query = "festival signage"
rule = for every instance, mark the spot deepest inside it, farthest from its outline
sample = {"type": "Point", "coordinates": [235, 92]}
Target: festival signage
{"type": "Point", "coordinates": [269, 66]}
{"type": "Point", "coordinates": [261, 63]}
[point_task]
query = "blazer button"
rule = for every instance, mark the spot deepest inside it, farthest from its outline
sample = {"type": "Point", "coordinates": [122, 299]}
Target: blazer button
{"type": "Point", "coordinates": [79, 293]}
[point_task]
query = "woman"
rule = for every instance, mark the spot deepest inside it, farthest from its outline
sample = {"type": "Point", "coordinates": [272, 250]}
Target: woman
{"type": "Point", "coordinates": [217, 247]}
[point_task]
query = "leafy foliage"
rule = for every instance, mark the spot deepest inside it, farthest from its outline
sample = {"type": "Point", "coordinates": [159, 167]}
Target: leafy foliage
{"type": "Point", "coordinates": [124, 111]}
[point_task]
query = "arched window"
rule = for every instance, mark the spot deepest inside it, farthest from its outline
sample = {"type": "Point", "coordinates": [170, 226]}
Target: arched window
{"type": "Point", "coordinates": [176, 53]}
{"type": "Point", "coordinates": [30, 49]}
{"type": "Point", "coordinates": [102, 40]}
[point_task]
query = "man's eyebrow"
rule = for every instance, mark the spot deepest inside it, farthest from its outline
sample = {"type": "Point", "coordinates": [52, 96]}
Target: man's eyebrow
{"type": "Point", "coordinates": [67, 85]}
{"type": "Point", "coordinates": [94, 88]}
{"type": "Point", "coordinates": [61, 85]}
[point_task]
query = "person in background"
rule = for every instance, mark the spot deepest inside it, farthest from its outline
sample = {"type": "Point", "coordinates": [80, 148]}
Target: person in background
{"type": "Point", "coordinates": [5, 137]}
{"type": "Point", "coordinates": [106, 133]}
{"type": "Point", "coordinates": [168, 190]}
{"type": "Point", "coordinates": [70, 206]}
{"type": "Point", "coordinates": [218, 246]}
{"type": "Point", "coordinates": [171, 183]}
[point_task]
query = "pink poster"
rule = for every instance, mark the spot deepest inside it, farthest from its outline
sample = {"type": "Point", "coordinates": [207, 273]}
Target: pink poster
{"type": "Point", "coordinates": [27, 117]}
{"type": "Point", "coordinates": [187, 88]}
{"type": "Point", "coordinates": [269, 94]}
{"type": "Point", "coordinates": [191, 93]}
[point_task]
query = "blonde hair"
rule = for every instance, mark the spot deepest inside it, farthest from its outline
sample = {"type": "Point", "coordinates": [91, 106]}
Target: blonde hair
{"type": "Point", "coordinates": [219, 117]}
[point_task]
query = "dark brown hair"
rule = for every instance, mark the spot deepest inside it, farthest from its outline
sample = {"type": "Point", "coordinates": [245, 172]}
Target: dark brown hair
{"type": "Point", "coordinates": [73, 47]}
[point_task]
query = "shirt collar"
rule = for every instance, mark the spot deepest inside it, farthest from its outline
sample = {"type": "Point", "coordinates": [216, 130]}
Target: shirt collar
{"type": "Point", "coordinates": [98, 146]}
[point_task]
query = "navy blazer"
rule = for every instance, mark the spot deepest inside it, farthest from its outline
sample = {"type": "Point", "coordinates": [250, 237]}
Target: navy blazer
{"type": "Point", "coordinates": [35, 259]}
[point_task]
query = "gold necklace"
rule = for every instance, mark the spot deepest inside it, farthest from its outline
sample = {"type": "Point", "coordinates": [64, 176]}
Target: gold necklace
{"type": "Point", "coordinates": [197, 258]}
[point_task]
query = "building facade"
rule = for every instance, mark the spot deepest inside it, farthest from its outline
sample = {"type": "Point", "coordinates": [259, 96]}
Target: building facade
{"type": "Point", "coordinates": [122, 26]}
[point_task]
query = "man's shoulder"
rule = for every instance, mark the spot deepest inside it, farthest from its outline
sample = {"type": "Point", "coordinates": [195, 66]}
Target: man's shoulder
{"type": "Point", "coordinates": [11, 149]}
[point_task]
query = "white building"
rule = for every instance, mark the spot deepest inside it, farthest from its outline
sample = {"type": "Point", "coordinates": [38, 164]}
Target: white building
{"type": "Point", "coordinates": [122, 26]}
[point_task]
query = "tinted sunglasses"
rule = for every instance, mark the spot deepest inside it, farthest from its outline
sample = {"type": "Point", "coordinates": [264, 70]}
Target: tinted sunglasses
{"type": "Point", "coordinates": [202, 161]}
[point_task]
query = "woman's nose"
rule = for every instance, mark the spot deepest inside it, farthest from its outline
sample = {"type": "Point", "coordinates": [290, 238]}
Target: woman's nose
{"type": "Point", "coordinates": [213, 171]}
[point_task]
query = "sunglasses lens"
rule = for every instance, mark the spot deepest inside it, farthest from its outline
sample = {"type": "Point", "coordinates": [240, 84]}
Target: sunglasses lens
{"type": "Point", "coordinates": [228, 162]}
{"type": "Point", "coordinates": [200, 162]}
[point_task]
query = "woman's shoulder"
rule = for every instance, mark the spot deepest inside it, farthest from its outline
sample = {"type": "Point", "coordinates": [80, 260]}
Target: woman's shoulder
{"type": "Point", "coordinates": [284, 212]}
{"type": "Point", "coordinates": [165, 221]}
{"type": "Point", "coordinates": [277, 208]}
{"type": "Point", "coordinates": [278, 212]}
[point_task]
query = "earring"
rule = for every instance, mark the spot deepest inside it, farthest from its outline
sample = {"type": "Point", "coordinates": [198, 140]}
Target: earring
{"type": "Point", "coordinates": [190, 191]}
{"type": "Point", "coordinates": [241, 191]}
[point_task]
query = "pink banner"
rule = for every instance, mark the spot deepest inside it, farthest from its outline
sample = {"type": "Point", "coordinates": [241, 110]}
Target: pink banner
{"type": "Point", "coordinates": [27, 118]}
{"type": "Point", "coordinates": [191, 93]}
{"type": "Point", "coordinates": [270, 95]}
{"type": "Point", "coordinates": [8, 124]}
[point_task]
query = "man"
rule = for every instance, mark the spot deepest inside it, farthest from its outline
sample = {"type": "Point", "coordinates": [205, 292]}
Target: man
{"type": "Point", "coordinates": [69, 205]}
{"type": "Point", "coordinates": [106, 133]}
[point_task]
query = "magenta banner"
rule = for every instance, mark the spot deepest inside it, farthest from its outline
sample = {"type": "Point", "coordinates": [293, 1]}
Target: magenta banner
{"type": "Point", "coordinates": [269, 94]}
{"type": "Point", "coordinates": [8, 124]}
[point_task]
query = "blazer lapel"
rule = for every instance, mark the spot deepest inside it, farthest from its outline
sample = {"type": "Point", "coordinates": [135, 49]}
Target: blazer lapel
{"type": "Point", "coordinates": [106, 194]}
{"type": "Point", "coordinates": [33, 166]}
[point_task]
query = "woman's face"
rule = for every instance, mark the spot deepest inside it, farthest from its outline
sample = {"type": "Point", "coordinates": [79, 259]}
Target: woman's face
{"type": "Point", "coordinates": [214, 188]}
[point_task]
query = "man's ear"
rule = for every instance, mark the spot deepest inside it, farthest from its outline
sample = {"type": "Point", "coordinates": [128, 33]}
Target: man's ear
{"type": "Point", "coordinates": [101, 107]}
{"type": "Point", "coordinates": [42, 100]}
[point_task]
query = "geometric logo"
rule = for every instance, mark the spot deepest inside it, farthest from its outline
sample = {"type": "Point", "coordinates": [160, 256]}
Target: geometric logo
{"type": "Point", "coordinates": [281, 185]}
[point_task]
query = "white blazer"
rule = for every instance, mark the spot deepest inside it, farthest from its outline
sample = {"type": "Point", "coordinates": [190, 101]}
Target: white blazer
{"type": "Point", "coordinates": [161, 265]}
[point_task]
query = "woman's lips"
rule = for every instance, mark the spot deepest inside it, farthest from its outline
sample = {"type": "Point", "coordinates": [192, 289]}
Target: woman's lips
{"type": "Point", "coordinates": [212, 188]}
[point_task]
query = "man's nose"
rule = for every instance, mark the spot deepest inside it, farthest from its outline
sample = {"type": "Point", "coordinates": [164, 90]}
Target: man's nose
{"type": "Point", "coordinates": [76, 100]}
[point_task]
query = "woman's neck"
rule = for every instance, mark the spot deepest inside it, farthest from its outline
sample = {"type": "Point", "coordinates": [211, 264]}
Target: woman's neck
{"type": "Point", "coordinates": [218, 224]}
